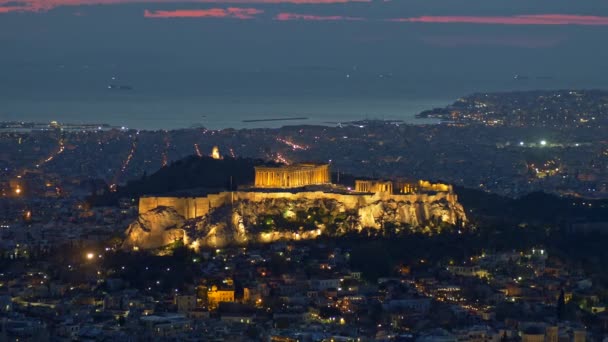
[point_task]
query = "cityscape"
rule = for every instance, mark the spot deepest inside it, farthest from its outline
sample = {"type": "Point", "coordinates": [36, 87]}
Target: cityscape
{"type": "Point", "coordinates": [303, 171]}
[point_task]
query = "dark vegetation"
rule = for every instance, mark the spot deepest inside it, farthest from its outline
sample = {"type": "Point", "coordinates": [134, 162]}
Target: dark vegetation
{"type": "Point", "coordinates": [537, 207]}
{"type": "Point", "coordinates": [190, 175]}
{"type": "Point", "coordinates": [380, 256]}
{"type": "Point", "coordinates": [200, 175]}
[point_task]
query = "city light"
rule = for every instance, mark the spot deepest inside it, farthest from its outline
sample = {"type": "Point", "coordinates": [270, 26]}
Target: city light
{"type": "Point", "coordinates": [90, 256]}
{"type": "Point", "coordinates": [543, 142]}
{"type": "Point", "coordinates": [18, 191]}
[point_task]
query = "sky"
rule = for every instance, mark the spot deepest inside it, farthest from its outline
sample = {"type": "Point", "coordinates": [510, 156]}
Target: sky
{"type": "Point", "coordinates": [285, 33]}
{"type": "Point", "coordinates": [242, 46]}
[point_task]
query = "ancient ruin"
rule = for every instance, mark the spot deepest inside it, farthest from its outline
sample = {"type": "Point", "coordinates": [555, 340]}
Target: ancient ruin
{"type": "Point", "coordinates": [285, 193]}
{"type": "Point", "coordinates": [294, 176]}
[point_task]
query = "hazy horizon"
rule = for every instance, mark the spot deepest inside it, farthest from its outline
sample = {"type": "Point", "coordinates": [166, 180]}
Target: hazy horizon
{"type": "Point", "coordinates": [330, 60]}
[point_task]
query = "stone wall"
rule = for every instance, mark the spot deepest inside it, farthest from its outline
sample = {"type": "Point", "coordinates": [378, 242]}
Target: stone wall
{"type": "Point", "coordinates": [415, 207]}
{"type": "Point", "coordinates": [214, 221]}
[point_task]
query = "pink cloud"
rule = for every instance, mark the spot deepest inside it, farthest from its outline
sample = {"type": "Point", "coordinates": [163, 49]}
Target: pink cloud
{"type": "Point", "coordinates": [539, 19]}
{"type": "Point", "coordinates": [9, 9]}
{"type": "Point", "coordinates": [7, 6]}
{"type": "Point", "coordinates": [310, 17]}
{"type": "Point", "coordinates": [231, 12]}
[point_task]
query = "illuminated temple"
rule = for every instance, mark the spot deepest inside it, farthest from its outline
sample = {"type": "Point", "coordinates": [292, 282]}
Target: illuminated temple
{"type": "Point", "coordinates": [417, 202]}
{"type": "Point", "coordinates": [285, 191]}
{"type": "Point", "coordinates": [293, 176]}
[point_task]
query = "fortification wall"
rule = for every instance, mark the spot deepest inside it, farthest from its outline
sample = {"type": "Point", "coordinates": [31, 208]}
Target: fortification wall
{"type": "Point", "coordinates": [188, 207]}
{"type": "Point", "coordinates": [191, 207]}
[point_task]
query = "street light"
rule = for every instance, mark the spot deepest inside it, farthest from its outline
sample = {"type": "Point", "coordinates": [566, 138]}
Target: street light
{"type": "Point", "coordinates": [90, 256]}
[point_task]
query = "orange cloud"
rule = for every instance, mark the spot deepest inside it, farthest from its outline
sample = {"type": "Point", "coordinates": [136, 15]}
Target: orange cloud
{"type": "Point", "coordinates": [310, 17]}
{"type": "Point", "coordinates": [539, 19]}
{"type": "Point", "coordinates": [231, 12]}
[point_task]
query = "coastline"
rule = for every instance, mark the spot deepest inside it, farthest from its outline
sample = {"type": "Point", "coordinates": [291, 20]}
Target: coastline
{"type": "Point", "coordinates": [221, 113]}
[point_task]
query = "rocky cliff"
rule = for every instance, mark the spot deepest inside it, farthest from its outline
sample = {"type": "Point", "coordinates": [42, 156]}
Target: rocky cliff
{"type": "Point", "coordinates": [156, 228]}
{"type": "Point", "coordinates": [270, 218]}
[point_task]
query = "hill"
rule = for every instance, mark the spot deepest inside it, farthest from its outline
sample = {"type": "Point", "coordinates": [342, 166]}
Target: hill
{"type": "Point", "coordinates": [191, 175]}
{"type": "Point", "coordinates": [535, 208]}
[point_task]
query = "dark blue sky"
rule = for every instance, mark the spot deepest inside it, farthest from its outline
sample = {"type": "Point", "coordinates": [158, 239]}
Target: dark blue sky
{"type": "Point", "coordinates": [441, 35]}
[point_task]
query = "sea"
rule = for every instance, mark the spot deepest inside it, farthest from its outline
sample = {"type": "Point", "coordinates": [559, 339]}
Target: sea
{"type": "Point", "coordinates": [156, 99]}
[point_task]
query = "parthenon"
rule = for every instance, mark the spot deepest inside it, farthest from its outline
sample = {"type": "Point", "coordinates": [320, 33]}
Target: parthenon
{"type": "Point", "coordinates": [293, 176]}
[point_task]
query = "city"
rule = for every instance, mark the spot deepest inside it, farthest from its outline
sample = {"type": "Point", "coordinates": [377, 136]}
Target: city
{"type": "Point", "coordinates": [73, 270]}
{"type": "Point", "coordinates": [303, 171]}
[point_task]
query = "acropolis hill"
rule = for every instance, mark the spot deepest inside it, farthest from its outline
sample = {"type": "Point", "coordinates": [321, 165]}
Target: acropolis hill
{"type": "Point", "coordinates": [292, 202]}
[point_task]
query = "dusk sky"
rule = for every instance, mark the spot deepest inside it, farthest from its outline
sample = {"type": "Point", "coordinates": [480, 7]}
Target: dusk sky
{"type": "Point", "coordinates": [246, 58]}
{"type": "Point", "coordinates": [265, 33]}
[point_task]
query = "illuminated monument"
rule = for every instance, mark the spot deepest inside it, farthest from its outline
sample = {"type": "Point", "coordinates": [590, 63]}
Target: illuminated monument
{"type": "Point", "coordinates": [215, 153]}
{"type": "Point", "coordinates": [299, 176]}
{"type": "Point", "coordinates": [294, 176]}
{"type": "Point", "coordinates": [286, 190]}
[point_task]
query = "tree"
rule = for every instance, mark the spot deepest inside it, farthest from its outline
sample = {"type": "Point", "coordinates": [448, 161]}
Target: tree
{"type": "Point", "coordinates": [561, 305]}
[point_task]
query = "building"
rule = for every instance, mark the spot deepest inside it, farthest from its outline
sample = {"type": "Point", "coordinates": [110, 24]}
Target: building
{"type": "Point", "coordinates": [468, 271]}
{"type": "Point", "coordinates": [533, 334]}
{"type": "Point", "coordinates": [185, 303]}
{"type": "Point", "coordinates": [293, 176]}
{"type": "Point", "coordinates": [374, 186]}
{"type": "Point", "coordinates": [165, 326]}
{"type": "Point", "coordinates": [478, 333]}
{"type": "Point", "coordinates": [215, 153]}
{"type": "Point", "coordinates": [216, 295]}
{"type": "Point", "coordinates": [400, 187]}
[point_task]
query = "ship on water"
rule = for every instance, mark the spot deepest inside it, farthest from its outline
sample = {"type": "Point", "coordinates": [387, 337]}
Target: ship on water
{"type": "Point", "coordinates": [119, 87]}
{"type": "Point", "coordinates": [114, 86]}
